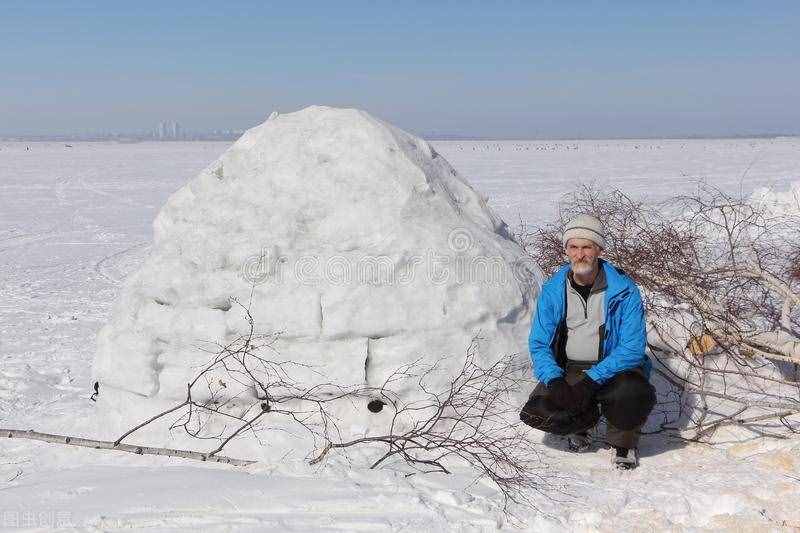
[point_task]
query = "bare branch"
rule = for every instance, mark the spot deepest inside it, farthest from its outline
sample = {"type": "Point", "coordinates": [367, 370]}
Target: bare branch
{"type": "Point", "coordinates": [108, 445]}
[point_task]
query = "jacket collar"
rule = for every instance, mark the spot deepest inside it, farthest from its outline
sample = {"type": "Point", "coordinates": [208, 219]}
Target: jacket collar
{"type": "Point", "coordinates": [599, 281]}
{"type": "Point", "coordinates": [616, 281]}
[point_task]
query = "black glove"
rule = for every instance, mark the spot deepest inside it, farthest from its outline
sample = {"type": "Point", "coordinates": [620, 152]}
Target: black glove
{"type": "Point", "coordinates": [582, 394]}
{"type": "Point", "coordinates": [560, 393]}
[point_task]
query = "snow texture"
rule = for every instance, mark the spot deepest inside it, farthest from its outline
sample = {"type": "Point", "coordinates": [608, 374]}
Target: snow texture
{"type": "Point", "coordinates": [75, 221]}
{"type": "Point", "coordinates": [781, 203]}
{"type": "Point", "coordinates": [356, 241]}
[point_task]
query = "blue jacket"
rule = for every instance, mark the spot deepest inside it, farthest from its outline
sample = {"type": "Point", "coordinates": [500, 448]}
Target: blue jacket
{"type": "Point", "coordinates": [625, 331]}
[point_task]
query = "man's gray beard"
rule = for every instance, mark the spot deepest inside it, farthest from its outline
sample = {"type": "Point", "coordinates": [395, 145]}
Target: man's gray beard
{"type": "Point", "coordinates": [583, 269]}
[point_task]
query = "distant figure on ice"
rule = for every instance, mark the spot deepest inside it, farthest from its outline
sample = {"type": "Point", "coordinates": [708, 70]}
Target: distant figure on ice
{"type": "Point", "coordinates": [587, 343]}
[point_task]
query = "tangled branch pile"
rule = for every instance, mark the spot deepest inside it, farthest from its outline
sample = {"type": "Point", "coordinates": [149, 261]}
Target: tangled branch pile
{"type": "Point", "coordinates": [466, 422]}
{"type": "Point", "coordinates": [470, 419]}
{"type": "Point", "coordinates": [720, 277]}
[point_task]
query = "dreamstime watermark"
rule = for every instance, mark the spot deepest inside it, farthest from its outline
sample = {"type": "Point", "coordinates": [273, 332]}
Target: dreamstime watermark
{"type": "Point", "coordinates": [36, 518]}
{"type": "Point", "coordinates": [458, 263]}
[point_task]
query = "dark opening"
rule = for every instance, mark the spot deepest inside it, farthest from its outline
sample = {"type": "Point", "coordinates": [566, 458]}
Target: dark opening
{"type": "Point", "coordinates": [375, 406]}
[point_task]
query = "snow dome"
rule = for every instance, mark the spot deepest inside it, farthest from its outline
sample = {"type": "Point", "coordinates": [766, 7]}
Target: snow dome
{"type": "Point", "coordinates": [355, 241]}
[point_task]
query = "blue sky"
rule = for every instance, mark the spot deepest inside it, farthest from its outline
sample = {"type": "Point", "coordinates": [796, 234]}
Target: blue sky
{"type": "Point", "coordinates": [502, 69]}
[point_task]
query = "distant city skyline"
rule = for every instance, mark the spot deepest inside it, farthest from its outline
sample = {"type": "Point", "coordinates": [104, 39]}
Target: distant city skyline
{"type": "Point", "coordinates": [172, 130]}
{"type": "Point", "coordinates": [165, 130]}
{"type": "Point", "coordinates": [233, 134]}
{"type": "Point", "coordinates": [168, 129]}
{"type": "Point", "coordinates": [476, 69]}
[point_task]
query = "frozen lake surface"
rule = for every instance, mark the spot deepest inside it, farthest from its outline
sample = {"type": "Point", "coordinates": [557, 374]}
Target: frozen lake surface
{"type": "Point", "coordinates": [74, 221]}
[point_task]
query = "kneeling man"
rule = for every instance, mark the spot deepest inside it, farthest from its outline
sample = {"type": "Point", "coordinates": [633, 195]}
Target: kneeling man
{"type": "Point", "coordinates": [587, 343]}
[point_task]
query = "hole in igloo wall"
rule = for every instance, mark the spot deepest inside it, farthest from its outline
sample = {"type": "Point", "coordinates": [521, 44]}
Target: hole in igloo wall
{"type": "Point", "coordinates": [376, 405]}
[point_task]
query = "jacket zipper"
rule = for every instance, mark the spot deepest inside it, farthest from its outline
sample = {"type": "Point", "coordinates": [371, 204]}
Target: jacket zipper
{"type": "Point", "coordinates": [584, 303]}
{"type": "Point", "coordinates": [611, 305]}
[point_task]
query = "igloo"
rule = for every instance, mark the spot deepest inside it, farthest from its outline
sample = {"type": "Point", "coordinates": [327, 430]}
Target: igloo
{"type": "Point", "coordinates": [354, 240]}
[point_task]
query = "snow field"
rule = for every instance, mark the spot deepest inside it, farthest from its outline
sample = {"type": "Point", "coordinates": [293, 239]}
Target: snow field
{"type": "Point", "coordinates": [76, 221]}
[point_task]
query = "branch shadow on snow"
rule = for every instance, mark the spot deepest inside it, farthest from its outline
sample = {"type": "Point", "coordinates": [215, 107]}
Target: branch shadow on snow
{"type": "Point", "coordinates": [670, 416]}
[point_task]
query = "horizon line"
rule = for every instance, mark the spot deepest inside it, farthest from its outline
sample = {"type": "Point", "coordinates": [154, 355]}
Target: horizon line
{"type": "Point", "coordinates": [137, 137]}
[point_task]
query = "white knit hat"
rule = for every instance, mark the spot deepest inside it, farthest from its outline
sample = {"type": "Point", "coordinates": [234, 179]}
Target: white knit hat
{"type": "Point", "coordinates": [585, 227]}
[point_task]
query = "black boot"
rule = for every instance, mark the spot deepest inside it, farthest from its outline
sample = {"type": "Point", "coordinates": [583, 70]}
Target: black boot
{"type": "Point", "coordinates": [626, 458]}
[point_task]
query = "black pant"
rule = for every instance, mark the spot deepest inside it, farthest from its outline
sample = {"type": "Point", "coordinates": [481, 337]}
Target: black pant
{"type": "Point", "coordinates": [625, 401]}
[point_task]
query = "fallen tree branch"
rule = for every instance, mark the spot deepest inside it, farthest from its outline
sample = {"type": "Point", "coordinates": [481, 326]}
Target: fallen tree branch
{"type": "Point", "coordinates": [130, 448]}
{"type": "Point", "coordinates": [733, 420]}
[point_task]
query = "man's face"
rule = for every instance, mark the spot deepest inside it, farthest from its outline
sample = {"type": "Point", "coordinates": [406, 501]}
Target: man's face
{"type": "Point", "coordinates": [583, 255]}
